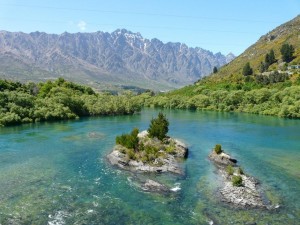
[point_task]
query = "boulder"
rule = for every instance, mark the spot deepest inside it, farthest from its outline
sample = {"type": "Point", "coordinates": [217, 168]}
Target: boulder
{"type": "Point", "coordinates": [154, 186]}
{"type": "Point", "coordinates": [181, 149]}
{"type": "Point", "coordinates": [222, 159]}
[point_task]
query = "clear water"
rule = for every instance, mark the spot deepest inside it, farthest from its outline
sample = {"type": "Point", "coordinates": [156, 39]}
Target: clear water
{"type": "Point", "coordinates": [56, 173]}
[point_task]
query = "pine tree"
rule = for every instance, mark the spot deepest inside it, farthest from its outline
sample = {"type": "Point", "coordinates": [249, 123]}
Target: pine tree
{"type": "Point", "coordinates": [247, 70]}
{"type": "Point", "coordinates": [267, 60]}
{"type": "Point", "coordinates": [159, 127]}
{"type": "Point", "coordinates": [215, 70]}
{"type": "Point", "coordinates": [272, 58]}
{"type": "Point", "coordinates": [287, 52]}
{"type": "Point", "coordinates": [262, 67]}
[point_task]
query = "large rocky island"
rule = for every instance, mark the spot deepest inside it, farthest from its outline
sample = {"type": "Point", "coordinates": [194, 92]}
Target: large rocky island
{"type": "Point", "coordinates": [238, 188]}
{"type": "Point", "coordinates": [149, 151]}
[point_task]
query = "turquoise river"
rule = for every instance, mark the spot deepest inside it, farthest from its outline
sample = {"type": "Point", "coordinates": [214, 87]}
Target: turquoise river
{"type": "Point", "coordinates": [57, 173]}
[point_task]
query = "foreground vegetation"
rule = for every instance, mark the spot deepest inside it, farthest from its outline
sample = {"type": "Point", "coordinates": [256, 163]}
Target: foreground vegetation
{"type": "Point", "coordinates": [58, 100]}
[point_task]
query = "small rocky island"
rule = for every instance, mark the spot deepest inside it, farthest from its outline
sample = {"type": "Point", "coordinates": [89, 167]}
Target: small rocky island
{"type": "Point", "coordinates": [238, 188]}
{"type": "Point", "coordinates": [149, 151]}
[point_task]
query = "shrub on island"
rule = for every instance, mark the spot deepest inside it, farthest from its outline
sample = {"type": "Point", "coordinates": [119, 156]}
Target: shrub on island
{"type": "Point", "coordinates": [218, 149]}
{"type": "Point", "coordinates": [237, 181]}
{"type": "Point", "coordinates": [229, 170]}
{"type": "Point", "coordinates": [240, 171]}
{"type": "Point", "coordinates": [130, 141]}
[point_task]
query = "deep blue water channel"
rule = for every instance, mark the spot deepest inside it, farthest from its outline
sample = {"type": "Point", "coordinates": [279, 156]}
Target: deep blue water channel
{"type": "Point", "coordinates": [56, 173]}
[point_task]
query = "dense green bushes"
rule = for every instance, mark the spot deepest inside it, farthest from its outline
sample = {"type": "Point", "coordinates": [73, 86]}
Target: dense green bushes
{"type": "Point", "coordinates": [277, 100]}
{"type": "Point", "coordinates": [275, 94]}
{"type": "Point", "coordinates": [130, 141]}
{"type": "Point", "coordinates": [58, 100]}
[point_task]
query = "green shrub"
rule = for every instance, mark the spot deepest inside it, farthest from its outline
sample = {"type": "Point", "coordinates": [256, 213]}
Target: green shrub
{"type": "Point", "coordinates": [159, 127]}
{"type": "Point", "coordinates": [170, 149]}
{"type": "Point", "coordinates": [229, 170]}
{"type": "Point", "coordinates": [218, 148]}
{"type": "Point", "coordinates": [130, 141]}
{"type": "Point", "coordinates": [240, 171]}
{"type": "Point", "coordinates": [237, 181]}
{"type": "Point", "coordinates": [149, 149]}
{"type": "Point", "coordinates": [130, 154]}
{"type": "Point", "coordinates": [145, 159]}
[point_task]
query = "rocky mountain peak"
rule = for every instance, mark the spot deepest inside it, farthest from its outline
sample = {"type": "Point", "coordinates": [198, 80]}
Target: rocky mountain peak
{"type": "Point", "coordinates": [121, 55]}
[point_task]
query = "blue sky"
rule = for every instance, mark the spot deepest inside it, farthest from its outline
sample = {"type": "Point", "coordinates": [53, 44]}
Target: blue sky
{"type": "Point", "coordinates": [215, 25]}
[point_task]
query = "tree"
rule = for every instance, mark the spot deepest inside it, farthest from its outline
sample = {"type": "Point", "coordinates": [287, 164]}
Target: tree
{"type": "Point", "coordinates": [287, 52]}
{"type": "Point", "coordinates": [262, 67]}
{"type": "Point", "coordinates": [272, 58]}
{"type": "Point", "coordinates": [247, 70]}
{"type": "Point", "coordinates": [159, 127]}
{"type": "Point", "coordinates": [215, 70]}
{"type": "Point", "coordinates": [269, 60]}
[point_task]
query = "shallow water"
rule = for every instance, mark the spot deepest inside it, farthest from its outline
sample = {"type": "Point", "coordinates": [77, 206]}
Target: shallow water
{"type": "Point", "coordinates": [56, 173]}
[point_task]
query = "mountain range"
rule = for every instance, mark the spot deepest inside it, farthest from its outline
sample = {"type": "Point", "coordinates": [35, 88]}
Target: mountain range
{"type": "Point", "coordinates": [104, 60]}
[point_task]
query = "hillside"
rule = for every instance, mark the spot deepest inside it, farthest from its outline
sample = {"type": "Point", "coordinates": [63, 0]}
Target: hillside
{"type": "Point", "coordinates": [104, 60]}
{"type": "Point", "coordinates": [286, 33]}
{"type": "Point", "coordinates": [273, 92]}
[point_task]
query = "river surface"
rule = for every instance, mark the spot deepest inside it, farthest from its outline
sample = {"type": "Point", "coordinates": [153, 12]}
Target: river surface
{"type": "Point", "coordinates": [57, 173]}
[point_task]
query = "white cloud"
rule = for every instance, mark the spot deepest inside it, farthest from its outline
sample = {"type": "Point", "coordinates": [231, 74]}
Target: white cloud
{"type": "Point", "coordinates": [81, 25]}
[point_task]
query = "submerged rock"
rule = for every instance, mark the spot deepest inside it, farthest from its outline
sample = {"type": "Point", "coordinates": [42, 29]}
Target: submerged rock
{"type": "Point", "coordinates": [154, 186]}
{"type": "Point", "coordinates": [248, 194]}
{"type": "Point", "coordinates": [95, 135]}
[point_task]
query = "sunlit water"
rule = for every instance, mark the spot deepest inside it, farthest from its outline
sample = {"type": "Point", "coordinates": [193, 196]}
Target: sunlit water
{"type": "Point", "coordinates": [56, 173]}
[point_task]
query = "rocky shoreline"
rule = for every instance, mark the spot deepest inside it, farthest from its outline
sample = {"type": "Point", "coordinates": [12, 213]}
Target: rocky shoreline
{"type": "Point", "coordinates": [247, 194]}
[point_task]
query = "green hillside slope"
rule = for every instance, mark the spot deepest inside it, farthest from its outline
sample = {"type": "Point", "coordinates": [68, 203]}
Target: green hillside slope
{"type": "Point", "coordinates": [255, 54]}
{"type": "Point", "coordinates": [273, 91]}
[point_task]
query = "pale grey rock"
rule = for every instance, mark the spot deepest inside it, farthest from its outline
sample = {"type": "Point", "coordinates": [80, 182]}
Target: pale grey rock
{"type": "Point", "coordinates": [222, 159]}
{"type": "Point", "coordinates": [154, 186]}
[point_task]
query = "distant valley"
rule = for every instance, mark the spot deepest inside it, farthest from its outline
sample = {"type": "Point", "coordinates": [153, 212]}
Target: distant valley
{"type": "Point", "coordinates": [105, 61]}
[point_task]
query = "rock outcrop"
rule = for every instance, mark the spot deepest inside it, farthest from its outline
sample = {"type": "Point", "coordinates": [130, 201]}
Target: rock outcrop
{"type": "Point", "coordinates": [167, 161]}
{"type": "Point", "coordinates": [246, 195]}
